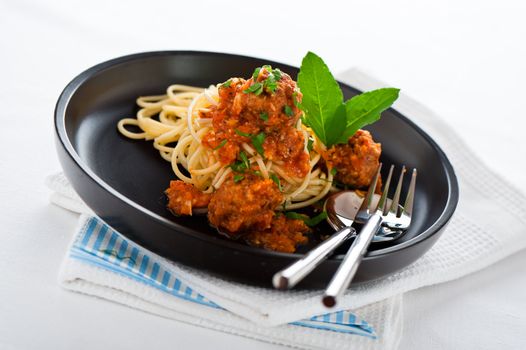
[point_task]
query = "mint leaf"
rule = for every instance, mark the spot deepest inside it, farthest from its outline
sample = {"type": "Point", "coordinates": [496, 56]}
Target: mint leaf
{"type": "Point", "coordinates": [322, 97]}
{"type": "Point", "coordinates": [365, 109]}
{"type": "Point", "coordinates": [332, 120]}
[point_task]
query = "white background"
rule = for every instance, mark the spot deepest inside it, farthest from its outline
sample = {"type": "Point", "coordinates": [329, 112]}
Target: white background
{"type": "Point", "coordinates": [463, 59]}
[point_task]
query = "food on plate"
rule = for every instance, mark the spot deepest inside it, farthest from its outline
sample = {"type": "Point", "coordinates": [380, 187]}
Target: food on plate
{"type": "Point", "coordinates": [253, 150]}
{"type": "Point", "coordinates": [355, 161]}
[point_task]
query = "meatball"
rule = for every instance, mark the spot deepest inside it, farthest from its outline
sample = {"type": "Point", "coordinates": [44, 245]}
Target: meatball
{"type": "Point", "coordinates": [246, 205]}
{"type": "Point", "coordinates": [356, 162]}
{"type": "Point", "coordinates": [283, 235]}
{"type": "Point", "coordinates": [182, 197]}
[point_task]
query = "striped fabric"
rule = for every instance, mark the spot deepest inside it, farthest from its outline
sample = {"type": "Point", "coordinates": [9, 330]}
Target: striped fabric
{"type": "Point", "coordinates": [98, 245]}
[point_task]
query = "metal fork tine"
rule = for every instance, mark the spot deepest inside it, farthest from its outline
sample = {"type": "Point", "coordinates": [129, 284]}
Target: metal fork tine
{"type": "Point", "coordinates": [396, 198]}
{"type": "Point", "coordinates": [367, 201]}
{"type": "Point", "coordinates": [382, 203]}
{"type": "Point", "coordinates": [408, 205]}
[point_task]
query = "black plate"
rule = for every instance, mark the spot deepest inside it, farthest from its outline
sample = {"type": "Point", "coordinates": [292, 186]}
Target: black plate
{"type": "Point", "coordinates": [123, 180]}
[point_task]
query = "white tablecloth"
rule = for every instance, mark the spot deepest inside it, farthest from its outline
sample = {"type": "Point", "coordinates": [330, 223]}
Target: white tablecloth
{"type": "Point", "coordinates": [463, 59]}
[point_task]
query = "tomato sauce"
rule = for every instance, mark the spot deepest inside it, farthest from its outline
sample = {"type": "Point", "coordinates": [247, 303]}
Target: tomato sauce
{"type": "Point", "coordinates": [242, 114]}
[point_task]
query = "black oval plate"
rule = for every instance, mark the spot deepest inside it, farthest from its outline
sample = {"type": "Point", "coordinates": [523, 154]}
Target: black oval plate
{"type": "Point", "coordinates": [123, 180]}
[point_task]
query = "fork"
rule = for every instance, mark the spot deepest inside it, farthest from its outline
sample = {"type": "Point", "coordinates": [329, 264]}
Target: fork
{"type": "Point", "coordinates": [374, 218]}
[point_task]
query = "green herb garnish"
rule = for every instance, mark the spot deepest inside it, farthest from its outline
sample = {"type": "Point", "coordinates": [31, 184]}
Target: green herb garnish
{"type": "Point", "coordinates": [332, 120]}
{"type": "Point", "coordinates": [227, 83]}
{"type": "Point", "coordinates": [295, 216]}
{"type": "Point", "coordinates": [316, 219]}
{"type": "Point", "coordinates": [238, 167]}
{"type": "Point", "coordinates": [241, 165]}
{"type": "Point", "coordinates": [287, 110]}
{"type": "Point", "coordinates": [256, 73]}
{"type": "Point", "coordinates": [241, 133]}
{"type": "Point", "coordinates": [277, 181]}
{"type": "Point", "coordinates": [334, 171]}
{"type": "Point", "coordinates": [270, 84]}
{"type": "Point", "coordinates": [244, 159]}
{"type": "Point", "coordinates": [277, 74]}
{"type": "Point", "coordinates": [238, 177]}
{"type": "Point", "coordinates": [306, 219]}
{"type": "Point", "coordinates": [264, 116]}
{"type": "Point", "coordinates": [256, 88]}
{"type": "Point", "coordinates": [258, 141]}
{"type": "Point", "coordinates": [257, 173]}
{"type": "Point", "coordinates": [221, 144]}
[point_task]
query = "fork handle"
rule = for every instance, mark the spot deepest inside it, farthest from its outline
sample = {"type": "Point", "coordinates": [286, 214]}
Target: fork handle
{"type": "Point", "coordinates": [295, 272]}
{"type": "Point", "coordinates": [345, 273]}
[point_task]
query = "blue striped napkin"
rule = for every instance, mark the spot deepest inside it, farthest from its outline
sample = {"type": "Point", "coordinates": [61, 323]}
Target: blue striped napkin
{"type": "Point", "coordinates": [97, 245]}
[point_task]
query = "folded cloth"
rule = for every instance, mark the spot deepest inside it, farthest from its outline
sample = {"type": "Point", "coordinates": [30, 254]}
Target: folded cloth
{"type": "Point", "coordinates": [103, 263]}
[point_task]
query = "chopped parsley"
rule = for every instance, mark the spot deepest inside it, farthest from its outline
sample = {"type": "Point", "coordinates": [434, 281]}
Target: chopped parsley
{"type": "Point", "coordinates": [238, 177]}
{"type": "Point", "coordinates": [256, 89]}
{"type": "Point", "coordinates": [258, 141]}
{"type": "Point", "coordinates": [255, 75]}
{"type": "Point", "coordinates": [269, 84]}
{"type": "Point", "coordinates": [277, 74]}
{"type": "Point", "coordinates": [221, 144]}
{"type": "Point", "coordinates": [227, 83]}
{"type": "Point", "coordinates": [288, 111]}
{"type": "Point", "coordinates": [244, 159]}
{"type": "Point", "coordinates": [277, 181]}
{"type": "Point", "coordinates": [241, 165]}
{"type": "Point", "coordinates": [241, 133]}
{"type": "Point", "coordinates": [306, 219]}
{"type": "Point", "coordinates": [334, 171]}
{"type": "Point", "coordinates": [264, 116]}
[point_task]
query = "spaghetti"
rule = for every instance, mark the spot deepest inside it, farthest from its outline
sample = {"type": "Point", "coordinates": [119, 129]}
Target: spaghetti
{"type": "Point", "coordinates": [178, 122]}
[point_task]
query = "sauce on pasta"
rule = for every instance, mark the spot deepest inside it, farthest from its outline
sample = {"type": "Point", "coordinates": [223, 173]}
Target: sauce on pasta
{"type": "Point", "coordinates": [240, 149]}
